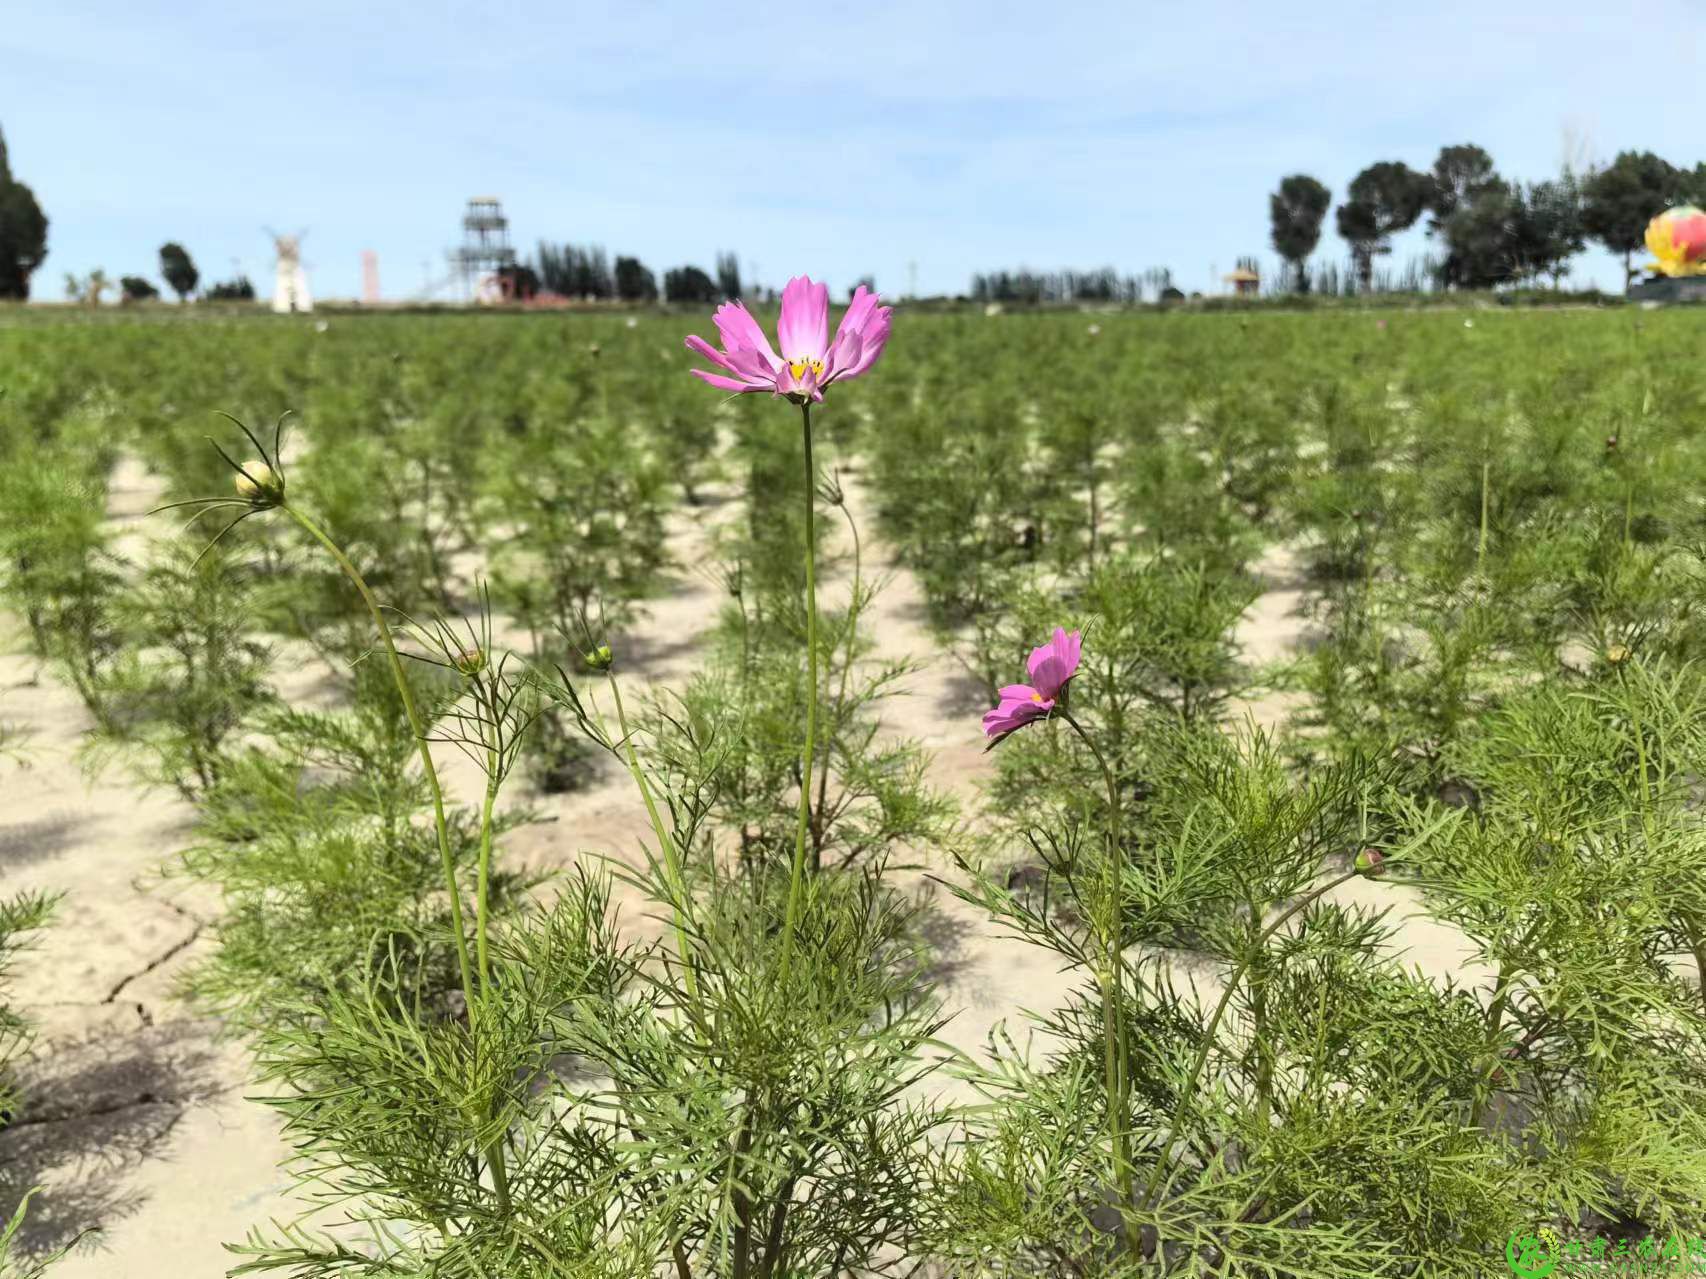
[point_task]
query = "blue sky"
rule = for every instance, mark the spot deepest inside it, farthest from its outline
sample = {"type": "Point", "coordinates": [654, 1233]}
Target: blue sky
{"type": "Point", "coordinates": [838, 140]}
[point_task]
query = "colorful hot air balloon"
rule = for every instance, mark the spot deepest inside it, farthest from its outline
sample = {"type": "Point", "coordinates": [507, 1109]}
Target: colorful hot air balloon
{"type": "Point", "coordinates": [1677, 238]}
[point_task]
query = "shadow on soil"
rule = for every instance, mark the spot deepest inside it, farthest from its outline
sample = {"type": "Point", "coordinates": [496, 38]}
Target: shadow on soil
{"type": "Point", "coordinates": [92, 1113]}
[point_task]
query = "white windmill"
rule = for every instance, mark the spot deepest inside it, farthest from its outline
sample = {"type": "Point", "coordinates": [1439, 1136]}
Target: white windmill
{"type": "Point", "coordinates": [290, 284]}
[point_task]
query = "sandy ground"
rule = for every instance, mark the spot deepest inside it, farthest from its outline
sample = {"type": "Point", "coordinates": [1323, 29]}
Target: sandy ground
{"type": "Point", "coordinates": [136, 1118]}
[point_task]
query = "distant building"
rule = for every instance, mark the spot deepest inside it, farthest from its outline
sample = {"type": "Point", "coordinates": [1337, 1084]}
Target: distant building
{"type": "Point", "coordinates": [1245, 282]}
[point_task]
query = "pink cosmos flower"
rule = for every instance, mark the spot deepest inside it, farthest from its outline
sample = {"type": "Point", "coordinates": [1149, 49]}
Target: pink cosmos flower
{"type": "Point", "coordinates": [809, 360]}
{"type": "Point", "coordinates": [1050, 666]}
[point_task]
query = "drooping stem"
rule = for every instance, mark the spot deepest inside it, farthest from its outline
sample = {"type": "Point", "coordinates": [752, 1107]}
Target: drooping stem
{"type": "Point", "coordinates": [1114, 1064]}
{"type": "Point", "coordinates": [419, 728]}
{"type": "Point", "coordinates": [797, 871]}
{"type": "Point", "coordinates": [494, 1154]}
{"type": "Point", "coordinates": [666, 841]}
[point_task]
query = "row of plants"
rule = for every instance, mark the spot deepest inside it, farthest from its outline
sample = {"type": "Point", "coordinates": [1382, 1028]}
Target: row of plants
{"type": "Point", "coordinates": [487, 1074]}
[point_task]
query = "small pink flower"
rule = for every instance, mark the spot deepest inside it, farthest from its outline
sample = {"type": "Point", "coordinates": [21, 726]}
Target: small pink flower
{"type": "Point", "coordinates": [809, 360]}
{"type": "Point", "coordinates": [1050, 666]}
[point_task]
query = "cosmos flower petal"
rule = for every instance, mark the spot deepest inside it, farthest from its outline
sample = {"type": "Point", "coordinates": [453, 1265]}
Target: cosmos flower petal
{"type": "Point", "coordinates": [858, 313]}
{"type": "Point", "coordinates": [1053, 664]}
{"type": "Point", "coordinates": [741, 332]}
{"type": "Point", "coordinates": [1010, 716]}
{"type": "Point", "coordinates": [873, 337]}
{"type": "Point", "coordinates": [700, 346]}
{"type": "Point", "coordinates": [802, 329]}
{"type": "Point", "coordinates": [843, 355]}
{"type": "Point", "coordinates": [725, 383]}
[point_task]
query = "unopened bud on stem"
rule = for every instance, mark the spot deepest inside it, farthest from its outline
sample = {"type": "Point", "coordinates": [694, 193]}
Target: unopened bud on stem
{"type": "Point", "coordinates": [260, 485]}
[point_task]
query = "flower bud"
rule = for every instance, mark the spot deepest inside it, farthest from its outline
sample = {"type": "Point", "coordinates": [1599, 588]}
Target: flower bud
{"type": "Point", "coordinates": [260, 485]}
{"type": "Point", "coordinates": [1617, 654]}
{"type": "Point", "coordinates": [1369, 861]}
{"type": "Point", "coordinates": [470, 661]}
{"type": "Point", "coordinates": [601, 658]}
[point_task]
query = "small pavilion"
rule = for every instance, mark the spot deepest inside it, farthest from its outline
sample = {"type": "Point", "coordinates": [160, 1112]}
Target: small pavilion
{"type": "Point", "coordinates": [1245, 282]}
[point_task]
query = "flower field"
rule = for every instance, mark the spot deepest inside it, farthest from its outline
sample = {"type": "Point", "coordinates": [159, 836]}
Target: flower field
{"type": "Point", "coordinates": [1042, 794]}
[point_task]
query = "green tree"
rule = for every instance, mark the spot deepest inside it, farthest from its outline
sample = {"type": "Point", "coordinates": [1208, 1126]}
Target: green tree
{"type": "Point", "coordinates": [178, 270]}
{"type": "Point", "coordinates": [1460, 173]}
{"type": "Point", "coordinates": [1483, 237]}
{"type": "Point", "coordinates": [575, 270]}
{"type": "Point", "coordinates": [1297, 210]}
{"type": "Point", "coordinates": [1382, 200]}
{"type": "Point", "coordinates": [728, 276]}
{"type": "Point", "coordinates": [1619, 201]}
{"type": "Point", "coordinates": [135, 289]}
{"type": "Point", "coordinates": [1551, 232]}
{"type": "Point", "coordinates": [689, 284]}
{"type": "Point", "coordinates": [238, 290]}
{"type": "Point", "coordinates": [1694, 184]}
{"type": "Point", "coordinates": [23, 233]}
{"type": "Point", "coordinates": [634, 281]}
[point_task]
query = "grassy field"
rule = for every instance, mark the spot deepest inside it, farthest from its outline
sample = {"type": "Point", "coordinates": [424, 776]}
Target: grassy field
{"type": "Point", "coordinates": [1354, 897]}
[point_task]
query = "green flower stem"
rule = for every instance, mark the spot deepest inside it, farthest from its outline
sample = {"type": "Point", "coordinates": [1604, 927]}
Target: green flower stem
{"type": "Point", "coordinates": [838, 710]}
{"type": "Point", "coordinates": [415, 723]}
{"type": "Point", "coordinates": [480, 890]}
{"type": "Point", "coordinates": [494, 1154]}
{"type": "Point", "coordinates": [666, 842]}
{"type": "Point", "coordinates": [797, 872]}
{"type": "Point", "coordinates": [1114, 1063]}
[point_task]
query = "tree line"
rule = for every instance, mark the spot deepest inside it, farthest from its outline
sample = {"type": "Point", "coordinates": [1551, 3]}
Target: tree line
{"type": "Point", "coordinates": [1492, 230]}
{"type": "Point", "coordinates": [587, 272]}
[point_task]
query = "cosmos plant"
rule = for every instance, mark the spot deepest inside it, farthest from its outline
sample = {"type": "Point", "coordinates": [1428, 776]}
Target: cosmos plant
{"type": "Point", "coordinates": [808, 363]}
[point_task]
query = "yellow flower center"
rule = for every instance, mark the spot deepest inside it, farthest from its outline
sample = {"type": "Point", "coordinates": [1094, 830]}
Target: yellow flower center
{"type": "Point", "coordinates": [798, 367]}
{"type": "Point", "coordinates": [1037, 697]}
